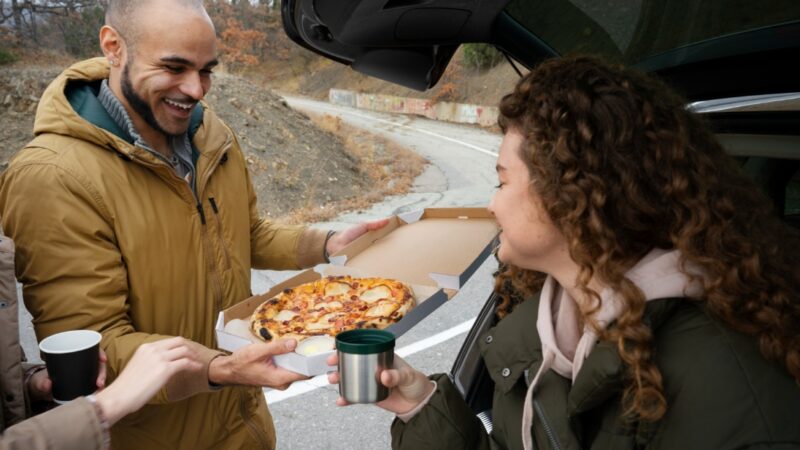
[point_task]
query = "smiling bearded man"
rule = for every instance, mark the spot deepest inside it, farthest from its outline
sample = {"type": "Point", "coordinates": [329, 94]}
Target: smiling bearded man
{"type": "Point", "coordinates": [134, 215]}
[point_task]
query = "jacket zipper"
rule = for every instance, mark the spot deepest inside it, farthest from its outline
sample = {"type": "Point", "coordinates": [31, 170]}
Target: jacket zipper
{"type": "Point", "coordinates": [219, 233]}
{"type": "Point", "coordinates": [218, 288]}
{"type": "Point", "coordinates": [211, 267]}
{"type": "Point", "coordinates": [548, 430]}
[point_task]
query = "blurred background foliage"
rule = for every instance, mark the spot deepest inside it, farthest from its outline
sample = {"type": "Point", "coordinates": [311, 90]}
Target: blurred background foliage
{"type": "Point", "coordinates": [71, 27]}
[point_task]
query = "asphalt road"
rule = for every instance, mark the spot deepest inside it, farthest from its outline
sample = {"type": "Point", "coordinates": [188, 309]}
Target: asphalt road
{"type": "Point", "coordinates": [461, 173]}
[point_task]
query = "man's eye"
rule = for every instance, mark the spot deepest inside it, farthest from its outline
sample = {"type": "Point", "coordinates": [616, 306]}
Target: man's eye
{"type": "Point", "coordinates": [174, 69]}
{"type": "Point", "coordinates": [207, 72]}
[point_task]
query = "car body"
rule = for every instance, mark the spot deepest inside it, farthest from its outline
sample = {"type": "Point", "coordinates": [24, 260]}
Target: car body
{"type": "Point", "coordinates": [730, 58]}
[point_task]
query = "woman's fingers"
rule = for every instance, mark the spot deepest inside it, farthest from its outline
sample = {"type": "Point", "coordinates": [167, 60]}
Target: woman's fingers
{"type": "Point", "coordinates": [333, 378]}
{"type": "Point", "coordinates": [101, 375]}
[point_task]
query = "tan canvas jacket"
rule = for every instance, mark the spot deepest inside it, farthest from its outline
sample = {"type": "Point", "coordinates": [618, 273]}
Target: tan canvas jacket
{"type": "Point", "coordinates": [110, 238]}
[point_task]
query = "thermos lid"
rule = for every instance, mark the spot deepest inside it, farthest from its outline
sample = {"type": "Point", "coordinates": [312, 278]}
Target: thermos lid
{"type": "Point", "coordinates": [364, 341]}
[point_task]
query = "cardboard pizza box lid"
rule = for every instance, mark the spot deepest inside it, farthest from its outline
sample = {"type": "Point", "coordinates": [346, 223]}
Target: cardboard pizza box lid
{"type": "Point", "coordinates": [440, 247]}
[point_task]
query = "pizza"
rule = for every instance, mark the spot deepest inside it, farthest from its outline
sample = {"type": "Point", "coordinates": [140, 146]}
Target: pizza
{"type": "Point", "coordinates": [331, 305]}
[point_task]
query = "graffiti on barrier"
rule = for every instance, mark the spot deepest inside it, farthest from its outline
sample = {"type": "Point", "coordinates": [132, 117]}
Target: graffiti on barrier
{"type": "Point", "coordinates": [451, 112]}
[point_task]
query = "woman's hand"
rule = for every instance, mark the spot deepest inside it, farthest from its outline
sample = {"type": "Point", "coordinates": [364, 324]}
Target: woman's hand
{"type": "Point", "coordinates": [149, 370]}
{"type": "Point", "coordinates": [408, 386]}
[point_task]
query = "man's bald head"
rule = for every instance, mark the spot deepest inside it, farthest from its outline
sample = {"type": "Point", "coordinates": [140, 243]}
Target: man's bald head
{"type": "Point", "coordinates": [126, 16]}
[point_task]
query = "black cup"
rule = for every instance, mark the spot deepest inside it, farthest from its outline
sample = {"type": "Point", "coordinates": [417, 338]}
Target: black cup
{"type": "Point", "coordinates": [73, 363]}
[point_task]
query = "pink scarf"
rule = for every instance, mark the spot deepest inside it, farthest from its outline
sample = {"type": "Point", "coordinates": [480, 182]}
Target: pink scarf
{"type": "Point", "coordinates": [564, 348]}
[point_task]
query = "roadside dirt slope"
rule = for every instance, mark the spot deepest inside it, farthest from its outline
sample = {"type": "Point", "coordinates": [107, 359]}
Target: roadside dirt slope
{"type": "Point", "coordinates": [295, 165]}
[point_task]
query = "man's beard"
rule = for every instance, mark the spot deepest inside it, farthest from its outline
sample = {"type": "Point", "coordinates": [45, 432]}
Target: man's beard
{"type": "Point", "coordinates": [138, 104]}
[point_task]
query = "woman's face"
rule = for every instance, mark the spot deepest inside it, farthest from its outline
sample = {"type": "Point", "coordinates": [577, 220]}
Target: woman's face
{"type": "Point", "coordinates": [528, 239]}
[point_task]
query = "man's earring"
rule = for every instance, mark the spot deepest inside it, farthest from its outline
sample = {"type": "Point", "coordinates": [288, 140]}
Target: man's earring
{"type": "Point", "coordinates": [113, 62]}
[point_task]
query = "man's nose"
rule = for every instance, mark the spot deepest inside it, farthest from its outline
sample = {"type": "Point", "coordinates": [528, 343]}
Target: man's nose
{"type": "Point", "coordinates": [192, 86]}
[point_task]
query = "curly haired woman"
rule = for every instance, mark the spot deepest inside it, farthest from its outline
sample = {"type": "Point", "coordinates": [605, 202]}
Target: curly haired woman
{"type": "Point", "coordinates": [663, 293]}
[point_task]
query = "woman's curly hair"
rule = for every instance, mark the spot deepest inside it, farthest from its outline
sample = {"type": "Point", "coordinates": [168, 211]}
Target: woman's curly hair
{"type": "Point", "coordinates": [622, 168]}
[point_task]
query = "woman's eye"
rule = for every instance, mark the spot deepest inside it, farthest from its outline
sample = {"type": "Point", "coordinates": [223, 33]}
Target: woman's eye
{"type": "Point", "coordinates": [499, 185]}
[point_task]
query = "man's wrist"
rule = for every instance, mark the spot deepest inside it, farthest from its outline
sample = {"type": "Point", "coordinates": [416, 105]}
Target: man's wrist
{"type": "Point", "coordinates": [218, 371]}
{"type": "Point", "coordinates": [28, 383]}
{"type": "Point", "coordinates": [325, 253]}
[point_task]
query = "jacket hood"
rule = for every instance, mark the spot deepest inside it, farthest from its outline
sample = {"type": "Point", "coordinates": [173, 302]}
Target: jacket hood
{"type": "Point", "coordinates": [69, 106]}
{"type": "Point", "coordinates": [56, 114]}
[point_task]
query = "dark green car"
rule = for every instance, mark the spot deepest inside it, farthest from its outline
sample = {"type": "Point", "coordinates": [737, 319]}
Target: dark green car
{"type": "Point", "coordinates": [733, 60]}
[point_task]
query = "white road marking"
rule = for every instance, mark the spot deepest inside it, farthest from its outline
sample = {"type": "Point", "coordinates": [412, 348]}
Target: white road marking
{"type": "Point", "coordinates": [301, 387]}
{"type": "Point", "coordinates": [419, 130]}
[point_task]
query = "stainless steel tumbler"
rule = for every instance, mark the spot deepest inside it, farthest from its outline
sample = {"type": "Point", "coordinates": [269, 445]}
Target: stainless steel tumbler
{"type": "Point", "coordinates": [363, 354]}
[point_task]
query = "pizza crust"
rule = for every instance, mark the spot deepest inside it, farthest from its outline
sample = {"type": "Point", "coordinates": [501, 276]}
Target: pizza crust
{"type": "Point", "coordinates": [331, 305]}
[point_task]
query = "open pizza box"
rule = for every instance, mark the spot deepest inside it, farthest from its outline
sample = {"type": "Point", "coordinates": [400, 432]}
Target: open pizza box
{"type": "Point", "coordinates": [433, 251]}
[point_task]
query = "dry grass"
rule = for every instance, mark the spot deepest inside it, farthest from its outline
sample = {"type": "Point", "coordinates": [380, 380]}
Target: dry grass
{"type": "Point", "coordinates": [386, 168]}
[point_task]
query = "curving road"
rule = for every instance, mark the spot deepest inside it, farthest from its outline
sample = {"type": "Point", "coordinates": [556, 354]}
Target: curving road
{"type": "Point", "coordinates": [461, 173]}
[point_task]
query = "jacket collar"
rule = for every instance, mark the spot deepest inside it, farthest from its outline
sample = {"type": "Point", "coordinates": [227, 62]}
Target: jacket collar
{"type": "Point", "coordinates": [83, 97]}
{"type": "Point", "coordinates": [69, 106]}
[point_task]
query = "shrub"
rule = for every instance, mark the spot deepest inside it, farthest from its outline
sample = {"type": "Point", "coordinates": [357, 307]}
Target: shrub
{"type": "Point", "coordinates": [6, 57]}
{"type": "Point", "coordinates": [481, 56]}
{"type": "Point", "coordinates": [79, 31]}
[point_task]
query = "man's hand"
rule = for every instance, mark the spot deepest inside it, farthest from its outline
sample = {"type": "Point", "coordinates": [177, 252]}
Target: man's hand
{"type": "Point", "coordinates": [341, 238]}
{"type": "Point", "coordinates": [253, 366]}
{"type": "Point", "coordinates": [40, 386]}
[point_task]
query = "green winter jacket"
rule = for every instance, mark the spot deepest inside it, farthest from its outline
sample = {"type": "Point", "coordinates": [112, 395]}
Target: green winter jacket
{"type": "Point", "coordinates": [721, 393]}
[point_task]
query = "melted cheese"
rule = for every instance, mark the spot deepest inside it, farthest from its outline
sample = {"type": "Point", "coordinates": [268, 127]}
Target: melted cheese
{"type": "Point", "coordinates": [285, 315]}
{"type": "Point", "coordinates": [322, 323]}
{"type": "Point", "coordinates": [328, 305]}
{"type": "Point", "coordinates": [376, 293]}
{"type": "Point", "coordinates": [381, 310]}
{"type": "Point", "coordinates": [337, 289]}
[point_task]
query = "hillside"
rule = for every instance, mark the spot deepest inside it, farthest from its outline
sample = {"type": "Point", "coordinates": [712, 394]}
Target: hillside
{"type": "Point", "coordinates": [293, 69]}
{"type": "Point", "coordinates": [300, 171]}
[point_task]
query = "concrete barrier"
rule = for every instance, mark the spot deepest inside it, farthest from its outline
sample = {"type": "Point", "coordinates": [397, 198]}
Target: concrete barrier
{"type": "Point", "coordinates": [451, 112]}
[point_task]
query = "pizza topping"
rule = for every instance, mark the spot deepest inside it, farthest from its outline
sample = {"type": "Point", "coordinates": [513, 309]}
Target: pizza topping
{"type": "Point", "coordinates": [381, 310]}
{"type": "Point", "coordinates": [285, 315]}
{"type": "Point", "coordinates": [334, 289]}
{"type": "Point", "coordinates": [265, 334]}
{"type": "Point", "coordinates": [328, 305]}
{"type": "Point", "coordinates": [376, 293]}
{"type": "Point", "coordinates": [331, 305]}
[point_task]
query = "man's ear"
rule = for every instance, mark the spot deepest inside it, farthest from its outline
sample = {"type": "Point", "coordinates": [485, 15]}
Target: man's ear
{"type": "Point", "coordinates": [111, 44]}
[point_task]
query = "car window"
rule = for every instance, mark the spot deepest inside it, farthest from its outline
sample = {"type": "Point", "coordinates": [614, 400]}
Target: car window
{"type": "Point", "coordinates": [631, 31]}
